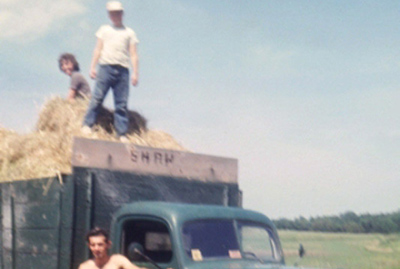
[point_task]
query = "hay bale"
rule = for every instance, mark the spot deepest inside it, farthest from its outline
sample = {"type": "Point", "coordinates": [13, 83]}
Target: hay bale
{"type": "Point", "coordinates": [48, 150]}
{"type": "Point", "coordinates": [35, 155]}
{"type": "Point", "coordinates": [5, 137]}
{"type": "Point", "coordinates": [60, 115]}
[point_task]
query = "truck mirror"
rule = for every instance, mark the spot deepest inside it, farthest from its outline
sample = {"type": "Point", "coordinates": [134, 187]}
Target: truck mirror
{"type": "Point", "coordinates": [135, 251]}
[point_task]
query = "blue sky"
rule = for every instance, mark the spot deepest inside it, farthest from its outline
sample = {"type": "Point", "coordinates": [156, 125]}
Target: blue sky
{"type": "Point", "coordinates": [304, 93]}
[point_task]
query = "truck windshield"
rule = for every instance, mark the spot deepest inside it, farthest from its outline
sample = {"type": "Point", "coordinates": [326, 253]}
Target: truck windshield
{"type": "Point", "coordinates": [213, 239]}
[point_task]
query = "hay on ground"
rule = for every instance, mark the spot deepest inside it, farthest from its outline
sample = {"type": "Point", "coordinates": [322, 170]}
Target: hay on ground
{"type": "Point", "coordinates": [47, 151]}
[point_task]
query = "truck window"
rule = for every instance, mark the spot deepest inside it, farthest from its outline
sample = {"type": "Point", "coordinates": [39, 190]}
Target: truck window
{"type": "Point", "coordinates": [152, 235]}
{"type": "Point", "coordinates": [206, 239]}
{"type": "Point", "coordinates": [257, 242]}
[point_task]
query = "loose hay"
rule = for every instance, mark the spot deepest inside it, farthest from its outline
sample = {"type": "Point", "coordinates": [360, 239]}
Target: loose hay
{"type": "Point", "coordinates": [47, 151]}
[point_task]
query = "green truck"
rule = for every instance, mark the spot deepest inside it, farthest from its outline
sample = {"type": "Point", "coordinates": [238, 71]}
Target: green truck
{"type": "Point", "coordinates": [164, 209]}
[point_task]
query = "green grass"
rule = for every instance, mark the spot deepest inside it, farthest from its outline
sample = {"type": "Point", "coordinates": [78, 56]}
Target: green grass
{"type": "Point", "coordinates": [340, 250]}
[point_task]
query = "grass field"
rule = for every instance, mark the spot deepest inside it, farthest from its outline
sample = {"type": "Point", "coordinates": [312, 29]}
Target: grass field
{"type": "Point", "coordinates": [340, 250]}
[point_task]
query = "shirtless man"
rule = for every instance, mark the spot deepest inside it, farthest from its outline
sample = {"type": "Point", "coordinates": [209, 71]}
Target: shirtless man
{"type": "Point", "coordinates": [99, 244]}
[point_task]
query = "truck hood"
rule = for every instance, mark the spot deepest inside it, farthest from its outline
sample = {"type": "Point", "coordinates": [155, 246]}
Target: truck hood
{"type": "Point", "coordinates": [239, 264]}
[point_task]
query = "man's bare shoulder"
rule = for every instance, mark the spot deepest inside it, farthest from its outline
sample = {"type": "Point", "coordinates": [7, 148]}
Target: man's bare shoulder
{"type": "Point", "coordinates": [122, 262]}
{"type": "Point", "coordinates": [89, 264]}
{"type": "Point", "coordinates": [118, 257]}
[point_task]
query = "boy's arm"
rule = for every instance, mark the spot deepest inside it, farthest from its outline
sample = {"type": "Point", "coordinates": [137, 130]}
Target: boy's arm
{"type": "Point", "coordinates": [135, 64]}
{"type": "Point", "coordinates": [96, 55]}
{"type": "Point", "coordinates": [71, 94]}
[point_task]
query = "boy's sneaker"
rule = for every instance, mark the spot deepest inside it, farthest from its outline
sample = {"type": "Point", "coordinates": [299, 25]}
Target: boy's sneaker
{"type": "Point", "coordinates": [123, 139]}
{"type": "Point", "coordinates": [86, 130]}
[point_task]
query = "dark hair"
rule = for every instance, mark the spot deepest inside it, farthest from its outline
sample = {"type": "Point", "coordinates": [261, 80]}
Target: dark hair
{"type": "Point", "coordinates": [68, 57]}
{"type": "Point", "coordinates": [97, 231]}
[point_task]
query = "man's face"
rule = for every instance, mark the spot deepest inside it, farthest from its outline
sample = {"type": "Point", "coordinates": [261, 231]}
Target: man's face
{"type": "Point", "coordinates": [116, 17]}
{"type": "Point", "coordinates": [99, 246]}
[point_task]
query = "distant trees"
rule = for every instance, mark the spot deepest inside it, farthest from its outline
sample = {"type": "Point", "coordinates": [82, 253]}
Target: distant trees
{"type": "Point", "coordinates": [348, 222]}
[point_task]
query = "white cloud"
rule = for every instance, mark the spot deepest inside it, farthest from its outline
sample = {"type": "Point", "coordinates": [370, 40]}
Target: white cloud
{"type": "Point", "coordinates": [25, 20]}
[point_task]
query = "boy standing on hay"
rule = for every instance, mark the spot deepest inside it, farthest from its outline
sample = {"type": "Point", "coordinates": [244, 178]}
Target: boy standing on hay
{"type": "Point", "coordinates": [115, 48]}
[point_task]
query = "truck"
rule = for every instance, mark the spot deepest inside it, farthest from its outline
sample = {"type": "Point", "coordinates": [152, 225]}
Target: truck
{"type": "Point", "coordinates": [163, 208]}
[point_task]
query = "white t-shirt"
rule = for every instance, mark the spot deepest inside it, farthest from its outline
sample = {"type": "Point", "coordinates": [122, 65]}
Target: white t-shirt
{"type": "Point", "coordinates": [116, 42]}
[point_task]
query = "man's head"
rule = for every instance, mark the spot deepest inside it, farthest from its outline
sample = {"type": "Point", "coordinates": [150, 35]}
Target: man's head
{"type": "Point", "coordinates": [68, 63]}
{"type": "Point", "coordinates": [98, 242]}
{"type": "Point", "coordinates": [115, 12]}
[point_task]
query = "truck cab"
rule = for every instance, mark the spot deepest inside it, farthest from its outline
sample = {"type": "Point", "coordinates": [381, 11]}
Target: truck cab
{"type": "Point", "coordinates": [183, 236]}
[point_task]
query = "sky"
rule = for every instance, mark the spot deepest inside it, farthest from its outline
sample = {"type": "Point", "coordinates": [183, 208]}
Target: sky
{"type": "Point", "coordinates": [304, 93]}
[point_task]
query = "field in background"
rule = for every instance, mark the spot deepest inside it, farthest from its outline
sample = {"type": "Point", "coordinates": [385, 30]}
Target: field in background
{"type": "Point", "coordinates": [340, 250]}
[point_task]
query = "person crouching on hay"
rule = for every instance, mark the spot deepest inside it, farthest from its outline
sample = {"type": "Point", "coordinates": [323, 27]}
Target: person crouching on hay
{"type": "Point", "coordinates": [79, 87]}
{"type": "Point", "coordinates": [114, 51]}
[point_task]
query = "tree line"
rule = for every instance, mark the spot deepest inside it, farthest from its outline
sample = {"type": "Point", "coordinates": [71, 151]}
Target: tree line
{"type": "Point", "coordinates": [348, 222]}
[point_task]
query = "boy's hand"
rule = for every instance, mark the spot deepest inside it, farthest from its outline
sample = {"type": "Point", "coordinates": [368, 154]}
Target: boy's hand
{"type": "Point", "coordinates": [134, 80]}
{"type": "Point", "coordinates": [93, 73]}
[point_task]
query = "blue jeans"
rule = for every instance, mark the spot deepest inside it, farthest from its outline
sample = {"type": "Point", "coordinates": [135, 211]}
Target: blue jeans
{"type": "Point", "coordinates": [117, 78]}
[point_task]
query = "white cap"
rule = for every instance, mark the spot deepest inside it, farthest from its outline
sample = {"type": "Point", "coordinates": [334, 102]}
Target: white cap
{"type": "Point", "coordinates": [114, 6]}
